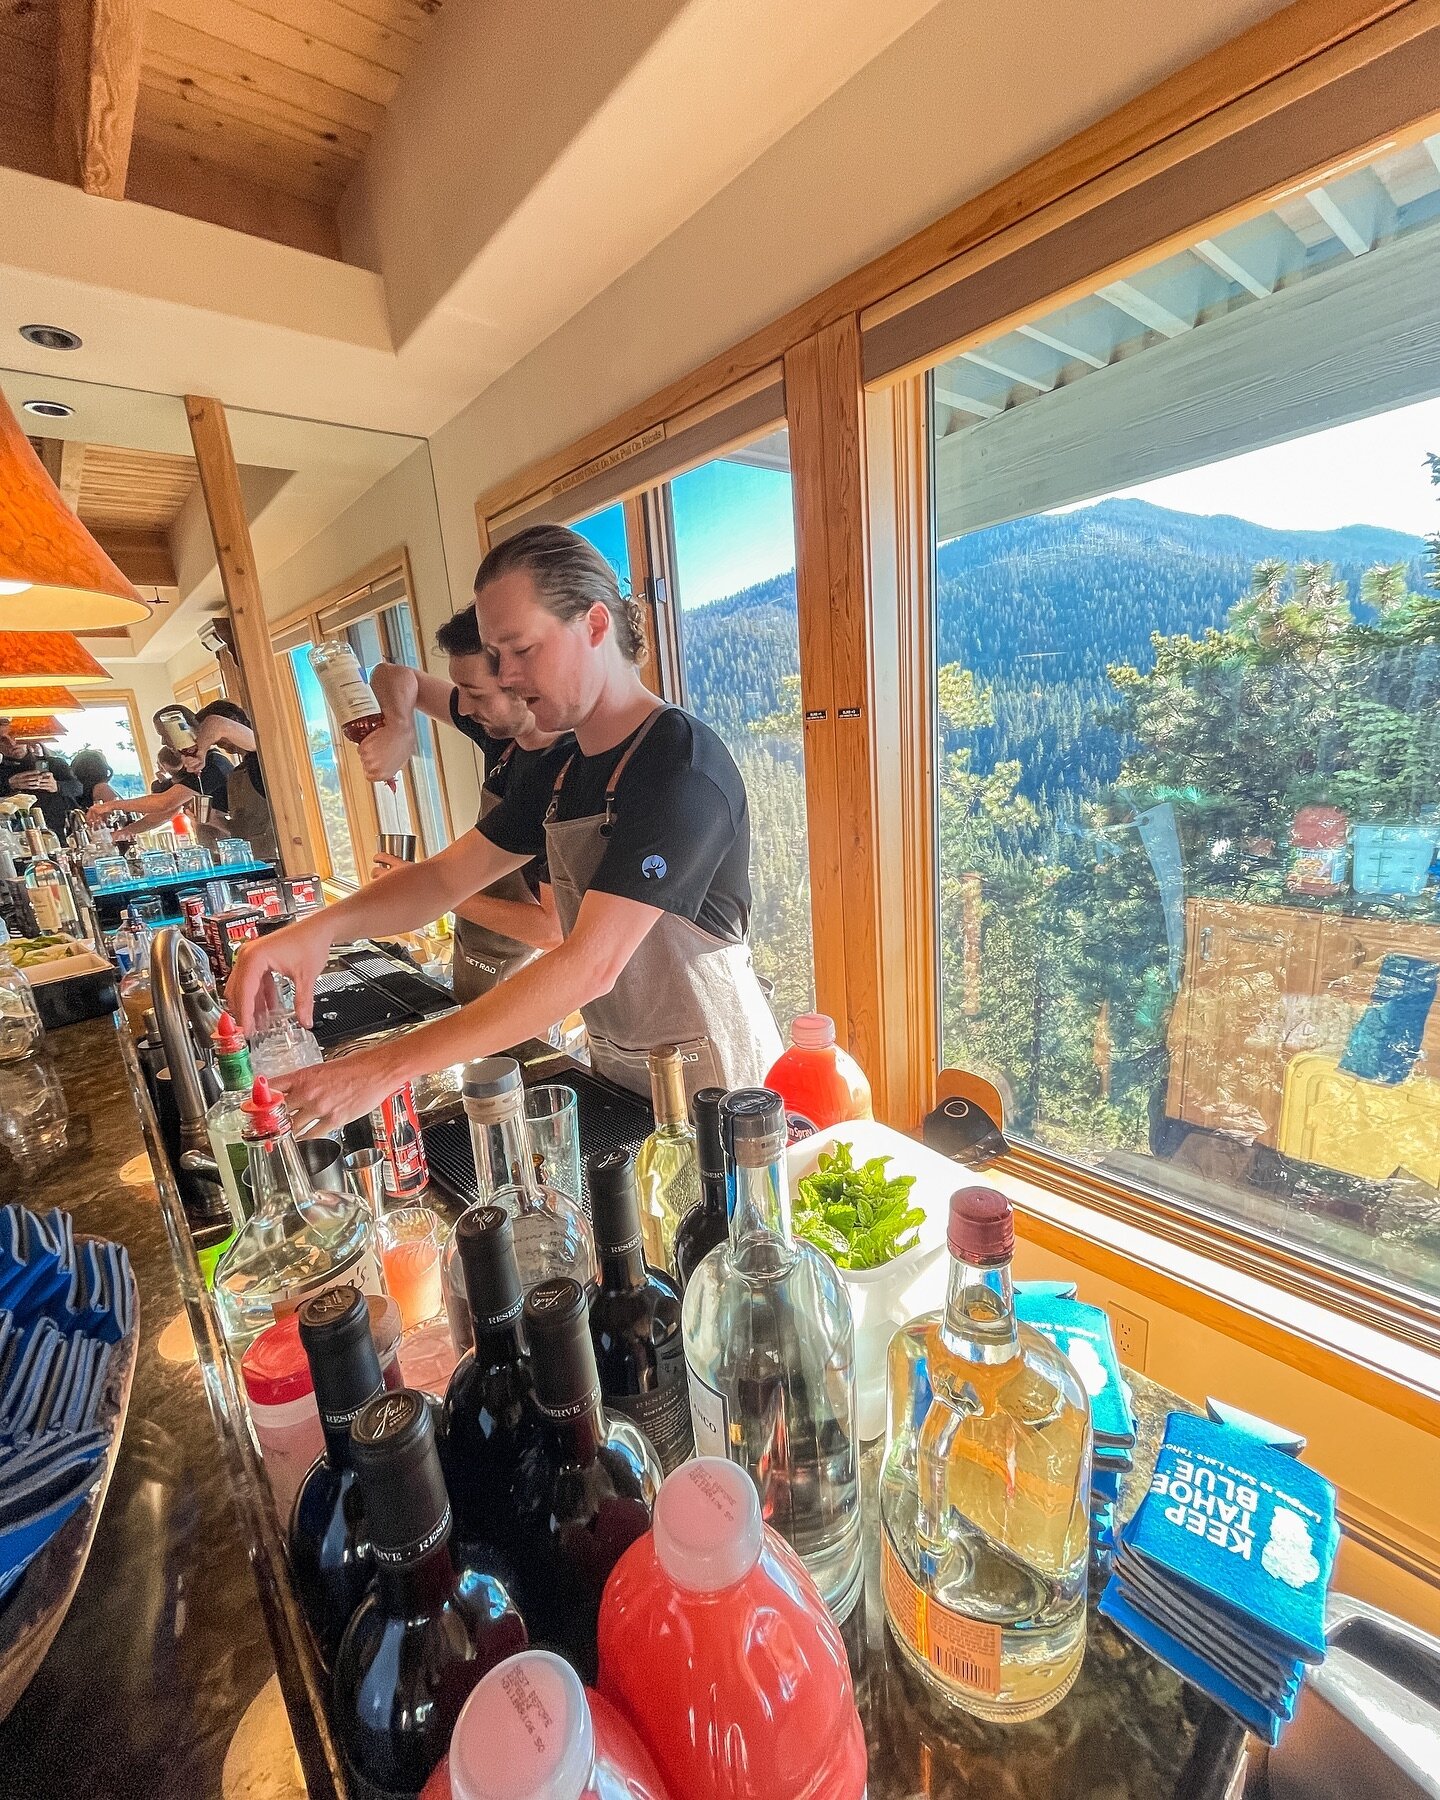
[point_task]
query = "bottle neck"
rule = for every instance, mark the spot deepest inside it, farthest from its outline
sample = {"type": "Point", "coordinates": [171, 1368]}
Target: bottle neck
{"type": "Point", "coordinates": [577, 1439]}
{"type": "Point", "coordinates": [497, 1346]}
{"type": "Point", "coordinates": [622, 1268]}
{"type": "Point", "coordinates": [978, 1323]}
{"type": "Point", "coordinates": [235, 1073]}
{"type": "Point", "coordinates": [420, 1586]}
{"type": "Point", "coordinates": [760, 1202]}
{"type": "Point", "coordinates": [278, 1176]}
{"type": "Point", "coordinates": [502, 1154]}
{"type": "Point", "coordinates": [714, 1195]}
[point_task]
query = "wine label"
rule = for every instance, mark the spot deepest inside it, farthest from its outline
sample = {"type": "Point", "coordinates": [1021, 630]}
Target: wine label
{"type": "Point", "coordinates": [710, 1416]}
{"type": "Point", "coordinates": [350, 695]}
{"type": "Point", "coordinates": [362, 1272]}
{"type": "Point", "coordinates": [663, 1414]}
{"type": "Point", "coordinates": [963, 1652]}
{"type": "Point", "coordinates": [45, 905]}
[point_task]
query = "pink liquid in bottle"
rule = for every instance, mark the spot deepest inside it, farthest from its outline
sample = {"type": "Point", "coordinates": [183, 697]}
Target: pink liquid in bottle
{"type": "Point", "coordinates": [530, 1731]}
{"type": "Point", "coordinates": [716, 1645]}
{"type": "Point", "coordinates": [814, 1076]}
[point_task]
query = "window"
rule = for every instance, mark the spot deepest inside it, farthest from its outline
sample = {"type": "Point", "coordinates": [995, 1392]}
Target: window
{"type": "Point", "coordinates": [732, 534]}
{"type": "Point", "coordinates": [606, 531]}
{"type": "Point", "coordinates": [111, 731]}
{"type": "Point", "coordinates": [324, 765]}
{"type": "Point", "coordinates": [1188, 702]}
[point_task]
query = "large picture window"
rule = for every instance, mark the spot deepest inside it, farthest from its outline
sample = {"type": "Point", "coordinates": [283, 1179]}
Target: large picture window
{"type": "Point", "coordinates": [1187, 626]}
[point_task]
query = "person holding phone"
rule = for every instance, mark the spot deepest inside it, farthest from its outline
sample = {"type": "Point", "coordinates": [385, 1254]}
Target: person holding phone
{"type": "Point", "coordinates": [644, 825]}
{"type": "Point", "coordinates": [29, 768]}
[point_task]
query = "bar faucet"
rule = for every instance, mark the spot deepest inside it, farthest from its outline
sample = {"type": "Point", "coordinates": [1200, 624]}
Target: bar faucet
{"type": "Point", "coordinates": [175, 977]}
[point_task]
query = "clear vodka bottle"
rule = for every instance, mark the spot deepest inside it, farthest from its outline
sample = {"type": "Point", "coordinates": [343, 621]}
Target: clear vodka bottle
{"type": "Point", "coordinates": [770, 1354]}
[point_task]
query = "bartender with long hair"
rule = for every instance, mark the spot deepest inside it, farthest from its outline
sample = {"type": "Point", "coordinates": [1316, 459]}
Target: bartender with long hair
{"type": "Point", "coordinates": [644, 827]}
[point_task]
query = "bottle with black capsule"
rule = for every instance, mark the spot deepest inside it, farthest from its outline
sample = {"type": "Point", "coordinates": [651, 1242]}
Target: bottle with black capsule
{"type": "Point", "coordinates": [426, 1632]}
{"type": "Point", "coordinates": [584, 1489]}
{"type": "Point", "coordinates": [484, 1422]}
{"type": "Point", "coordinates": [328, 1541]}
{"type": "Point", "coordinates": [635, 1318]}
{"type": "Point", "coordinates": [708, 1223]}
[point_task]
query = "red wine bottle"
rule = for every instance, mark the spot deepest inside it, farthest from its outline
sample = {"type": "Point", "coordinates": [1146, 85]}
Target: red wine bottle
{"type": "Point", "coordinates": [329, 1545]}
{"type": "Point", "coordinates": [426, 1632]}
{"type": "Point", "coordinates": [707, 1224]}
{"type": "Point", "coordinates": [485, 1422]}
{"type": "Point", "coordinates": [635, 1318]}
{"type": "Point", "coordinates": [584, 1489]}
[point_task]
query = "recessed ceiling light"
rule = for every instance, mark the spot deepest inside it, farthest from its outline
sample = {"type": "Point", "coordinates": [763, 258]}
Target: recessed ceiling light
{"type": "Point", "coordinates": [48, 409]}
{"type": "Point", "coordinates": [50, 337]}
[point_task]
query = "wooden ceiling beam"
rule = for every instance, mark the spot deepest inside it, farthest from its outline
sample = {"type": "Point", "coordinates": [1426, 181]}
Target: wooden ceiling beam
{"type": "Point", "coordinates": [97, 88]}
{"type": "Point", "coordinates": [144, 556]}
{"type": "Point", "coordinates": [72, 472]}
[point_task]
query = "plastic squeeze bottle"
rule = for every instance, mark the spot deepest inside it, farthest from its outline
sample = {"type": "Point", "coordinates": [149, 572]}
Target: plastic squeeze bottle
{"type": "Point", "coordinates": [716, 1645]}
{"type": "Point", "coordinates": [530, 1731]}
{"type": "Point", "coordinates": [814, 1076]}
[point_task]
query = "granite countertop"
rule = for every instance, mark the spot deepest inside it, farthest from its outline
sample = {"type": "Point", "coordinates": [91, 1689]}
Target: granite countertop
{"type": "Point", "coordinates": [164, 1646]}
{"type": "Point", "coordinates": [1130, 1729]}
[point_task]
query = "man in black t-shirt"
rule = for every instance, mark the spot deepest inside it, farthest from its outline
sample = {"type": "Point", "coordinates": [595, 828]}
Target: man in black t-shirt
{"type": "Point", "coordinates": [53, 786]}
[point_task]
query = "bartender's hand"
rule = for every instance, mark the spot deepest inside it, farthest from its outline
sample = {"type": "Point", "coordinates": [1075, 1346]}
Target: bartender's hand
{"type": "Point", "coordinates": [383, 862]}
{"type": "Point", "coordinates": [36, 781]}
{"type": "Point", "coordinates": [388, 748]}
{"type": "Point", "coordinates": [299, 951]}
{"type": "Point", "coordinates": [328, 1096]}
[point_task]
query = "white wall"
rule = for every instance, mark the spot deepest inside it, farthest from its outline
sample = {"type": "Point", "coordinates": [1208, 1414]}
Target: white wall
{"type": "Point", "coordinates": [950, 108]}
{"type": "Point", "coordinates": [150, 683]}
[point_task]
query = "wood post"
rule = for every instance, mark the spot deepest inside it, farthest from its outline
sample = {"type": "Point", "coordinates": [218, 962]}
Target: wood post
{"type": "Point", "coordinates": [225, 506]}
{"type": "Point", "coordinates": [97, 88]}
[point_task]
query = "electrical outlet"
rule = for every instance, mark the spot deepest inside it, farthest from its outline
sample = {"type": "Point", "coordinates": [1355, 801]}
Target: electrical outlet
{"type": "Point", "coordinates": [1132, 1336]}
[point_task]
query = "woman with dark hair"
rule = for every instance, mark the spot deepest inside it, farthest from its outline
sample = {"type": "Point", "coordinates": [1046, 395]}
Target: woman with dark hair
{"type": "Point", "coordinates": [93, 773]}
{"type": "Point", "coordinates": [645, 829]}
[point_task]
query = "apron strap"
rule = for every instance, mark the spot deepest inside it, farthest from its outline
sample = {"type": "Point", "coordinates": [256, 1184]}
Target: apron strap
{"type": "Point", "coordinates": [641, 733]}
{"type": "Point", "coordinates": [559, 783]}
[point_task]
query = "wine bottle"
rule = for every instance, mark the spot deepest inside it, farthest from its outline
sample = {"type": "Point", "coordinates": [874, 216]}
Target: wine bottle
{"type": "Point", "coordinates": [484, 1421]}
{"type": "Point", "coordinates": [707, 1224]}
{"type": "Point", "coordinates": [635, 1318]}
{"type": "Point", "coordinates": [665, 1171]}
{"type": "Point", "coordinates": [584, 1489]}
{"type": "Point", "coordinates": [329, 1544]}
{"type": "Point", "coordinates": [425, 1633]}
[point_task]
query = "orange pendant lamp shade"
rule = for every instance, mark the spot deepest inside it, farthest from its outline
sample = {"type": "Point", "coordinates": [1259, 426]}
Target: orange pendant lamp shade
{"type": "Point", "coordinates": [53, 575]}
{"type": "Point", "coordinates": [33, 658]}
{"type": "Point", "coordinates": [36, 702]}
{"type": "Point", "coordinates": [34, 730]}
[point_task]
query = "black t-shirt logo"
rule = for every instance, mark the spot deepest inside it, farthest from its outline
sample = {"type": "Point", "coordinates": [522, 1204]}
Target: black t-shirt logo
{"type": "Point", "coordinates": [653, 868]}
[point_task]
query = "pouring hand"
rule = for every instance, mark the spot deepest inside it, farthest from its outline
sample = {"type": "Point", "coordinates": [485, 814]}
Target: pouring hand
{"type": "Point", "coordinates": [299, 951]}
{"type": "Point", "coordinates": [330, 1095]}
{"type": "Point", "coordinates": [388, 748]}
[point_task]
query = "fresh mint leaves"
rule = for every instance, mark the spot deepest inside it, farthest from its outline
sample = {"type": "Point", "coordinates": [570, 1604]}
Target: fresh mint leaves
{"type": "Point", "coordinates": [861, 1218]}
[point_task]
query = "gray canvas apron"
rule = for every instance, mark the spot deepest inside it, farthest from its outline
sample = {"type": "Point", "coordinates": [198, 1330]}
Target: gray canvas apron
{"type": "Point", "coordinates": [483, 957]}
{"type": "Point", "coordinates": [682, 986]}
{"type": "Point", "coordinates": [249, 814]}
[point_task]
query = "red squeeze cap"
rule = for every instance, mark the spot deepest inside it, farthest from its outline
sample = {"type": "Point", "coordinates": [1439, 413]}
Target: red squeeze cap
{"type": "Point", "coordinates": [265, 1114]}
{"type": "Point", "coordinates": [982, 1227]}
{"type": "Point", "coordinates": [228, 1036]}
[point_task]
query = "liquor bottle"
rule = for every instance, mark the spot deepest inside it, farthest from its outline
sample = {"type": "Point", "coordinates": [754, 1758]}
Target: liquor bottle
{"type": "Point", "coordinates": [635, 1318]}
{"type": "Point", "coordinates": [395, 1127]}
{"type": "Point", "coordinates": [708, 1223]}
{"type": "Point", "coordinates": [134, 989]}
{"type": "Point", "coordinates": [770, 1348]}
{"type": "Point", "coordinates": [484, 1421]}
{"type": "Point", "coordinates": [298, 1240]}
{"type": "Point", "coordinates": [192, 926]}
{"type": "Point", "coordinates": [329, 1541]}
{"type": "Point", "coordinates": [225, 1121]}
{"type": "Point", "coordinates": [716, 1646]}
{"type": "Point", "coordinates": [584, 1488]}
{"type": "Point", "coordinates": [350, 696]}
{"type": "Point", "coordinates": [16, 912]}
{"type": "Point", "coordinates": [985, 1491]}
{"type": "Point", "coordinates": [552, 1236]}
{"type": "Point", "coordinates": [426, 1632]}
{"type": "Point", "coordinates": [666, 1172]}
{"type": "Point", "coordinates": [50, 897]}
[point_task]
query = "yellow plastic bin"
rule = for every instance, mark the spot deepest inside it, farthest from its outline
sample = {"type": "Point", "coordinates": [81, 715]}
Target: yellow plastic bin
{"type": "Point", "coordinates": [1360, 1127]}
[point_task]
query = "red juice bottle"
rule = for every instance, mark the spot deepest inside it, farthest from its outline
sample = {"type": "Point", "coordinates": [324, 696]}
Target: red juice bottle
{"type": "Point", "coordinates": [814, 1076]}
{"type": "Point", "coordinates": [716, 1646]}
{"type": "Point", "coordinates": [530, 1731]}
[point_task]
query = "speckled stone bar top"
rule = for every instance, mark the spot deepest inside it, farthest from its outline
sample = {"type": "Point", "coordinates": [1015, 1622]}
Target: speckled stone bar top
{"type": "Point", "coordinates": [165, 1644]}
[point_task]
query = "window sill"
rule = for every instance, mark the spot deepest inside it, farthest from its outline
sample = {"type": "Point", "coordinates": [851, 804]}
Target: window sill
{"type": "Point", "coordinates": [1399, 1377]}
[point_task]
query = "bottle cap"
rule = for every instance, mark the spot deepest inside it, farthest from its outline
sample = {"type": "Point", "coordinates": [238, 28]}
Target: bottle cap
{"type": "Point", "coordinates": [344, 1364]}
{"type": "Point", "coordinates": [490, 1077]}
{"type": "Point", "coordinates": [392, 1448]}
{"type": "Point", "coordinates": [275, 1369]}
{"type": "Point", "coordinates": [982, 1228]}
{"type": "Point", "coordinates": [812, 1031]}
{"type": "Point", "coordinates": [562, 1357]}
{"type": "Point", "coordinates": [753, 1123]}
{"type": "Point", "coordinates": [485, 1243]}
{"type": "Point", "coordinates": [667, 1083]}
{"type": "Point", "coordinates": [709, 1146]}
{"type": "Point", "coordinates": [525, 1733]}
{"type": "Point", "coordinates": [614, 1203]}
{"type": "Point", "coordinates": [708, 1530]}
{"type": "Point", "coordinates": [265, 1114]}
{"type": "Point", "coordinates": [229, 1039]}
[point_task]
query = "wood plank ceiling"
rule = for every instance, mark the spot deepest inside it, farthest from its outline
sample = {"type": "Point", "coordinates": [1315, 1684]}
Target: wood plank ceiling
{"type": "Point", "coordinates": [128, 499]}
{"type": "Point", "coordinates": [249, 113]}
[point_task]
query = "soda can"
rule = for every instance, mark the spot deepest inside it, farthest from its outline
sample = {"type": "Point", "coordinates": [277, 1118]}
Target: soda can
{"type": "Point", "coordinates": [395, 1125]}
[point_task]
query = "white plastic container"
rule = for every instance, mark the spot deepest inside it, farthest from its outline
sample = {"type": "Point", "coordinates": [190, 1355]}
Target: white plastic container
{"type": "Point", "coordinates": [883, 1299]}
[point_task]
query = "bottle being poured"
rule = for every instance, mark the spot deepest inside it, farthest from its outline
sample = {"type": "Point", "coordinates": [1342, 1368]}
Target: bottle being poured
{"type": "Point", "coordinates": [298, 1241]}
{"type": "Point", "coordinates": [348, 693]}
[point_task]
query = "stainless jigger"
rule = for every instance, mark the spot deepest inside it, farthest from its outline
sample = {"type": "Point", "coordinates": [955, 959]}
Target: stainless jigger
{"type": "Point", "coordinates": [365, 1169]}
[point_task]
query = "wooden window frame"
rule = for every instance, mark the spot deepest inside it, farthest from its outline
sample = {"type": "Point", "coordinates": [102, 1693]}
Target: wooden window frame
{"type": "Point", "coordinates": [1321, 82]}
{"type": "Point", "coordinates": [106, 699]}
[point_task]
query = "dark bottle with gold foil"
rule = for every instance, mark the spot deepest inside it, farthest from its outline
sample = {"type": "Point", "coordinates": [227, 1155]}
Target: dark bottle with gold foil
{"type": "Point", "coordinates": [707, 1224]}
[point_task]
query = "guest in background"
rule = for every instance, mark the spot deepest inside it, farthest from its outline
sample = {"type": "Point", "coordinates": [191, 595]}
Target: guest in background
{"type": "Point", "coordinates": [28, 768]}
{"type": "Point", "coordinates": [91, 770]}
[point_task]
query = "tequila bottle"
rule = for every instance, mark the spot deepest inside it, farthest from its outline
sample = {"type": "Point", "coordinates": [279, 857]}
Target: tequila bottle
{"type": "Point", "coordinates": [667, 1174]}
{"type": "Point", "coordinates": [985, 1492]}
{"type": "Point", "coordinates": [770, 1353]}
{"type": "Point", "coordinates": [297, 1242]}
